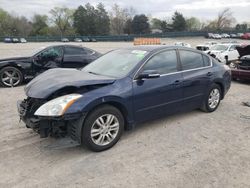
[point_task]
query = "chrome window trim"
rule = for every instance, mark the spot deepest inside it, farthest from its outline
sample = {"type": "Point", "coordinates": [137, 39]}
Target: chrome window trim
{"type": "Point", "coordinates": [175, 49]}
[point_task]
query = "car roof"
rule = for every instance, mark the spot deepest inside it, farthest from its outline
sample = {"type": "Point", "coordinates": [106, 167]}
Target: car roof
{"type": "Point", "coordinates": [66, 45]}
{"type": "Point", "coordinates": [153, 48]}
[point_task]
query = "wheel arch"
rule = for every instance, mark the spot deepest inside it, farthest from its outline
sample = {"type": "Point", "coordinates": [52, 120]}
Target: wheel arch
{"type": "Point", "coordinates": [221, 87]}
{"type": "Point", "coordinates": [118, 105]}
{"type": "Point", "coordinates": [15, 65]}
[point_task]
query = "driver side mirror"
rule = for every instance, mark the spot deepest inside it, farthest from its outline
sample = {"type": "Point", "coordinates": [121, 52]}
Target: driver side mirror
{"type": "Point", "coordinates": [148, 74]}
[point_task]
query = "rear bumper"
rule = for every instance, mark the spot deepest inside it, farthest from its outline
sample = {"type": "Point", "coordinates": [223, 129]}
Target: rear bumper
{"type": "Point", "coordinates": [67, 125]}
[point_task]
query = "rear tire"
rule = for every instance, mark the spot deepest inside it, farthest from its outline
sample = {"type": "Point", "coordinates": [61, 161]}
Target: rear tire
{"type": "Point", "coordinates": [10, 77]}
{"type": "Point", "coordinates": [102, 128]}
{"type": "Point", "coordinates": [212, 99]}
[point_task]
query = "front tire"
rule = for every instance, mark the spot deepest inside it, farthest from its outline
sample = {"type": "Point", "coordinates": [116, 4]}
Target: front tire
{"type": "Point", "coordinates": [10, 77]}
{"type": "Point", "coordinates": [102, 128]}
{"type": "Point", "coordinates": [212, 99]}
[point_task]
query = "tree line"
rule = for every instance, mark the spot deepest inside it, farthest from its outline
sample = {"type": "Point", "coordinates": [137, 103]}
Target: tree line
{"type": "Point", "coordinates": [96, 20]}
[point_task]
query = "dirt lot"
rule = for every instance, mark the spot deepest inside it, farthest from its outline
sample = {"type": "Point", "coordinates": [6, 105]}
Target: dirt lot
{"type": "Point", "coordinates": [194, 149]}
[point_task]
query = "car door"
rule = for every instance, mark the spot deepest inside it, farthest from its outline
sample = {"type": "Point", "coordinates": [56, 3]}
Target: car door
{"type": "Point", "coordinates": [75, 57]}
{"type": "Point", "coordinates": [157, 96]}
{"type": "Point", "coordinates": [197, 73]}
{"type": "Point", "coordinates": [233, 53]}
{"type": "Point", "coordinates": [48, 58]}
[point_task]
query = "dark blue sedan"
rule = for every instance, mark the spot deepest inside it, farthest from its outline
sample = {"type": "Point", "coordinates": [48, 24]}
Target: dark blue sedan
{"type": "Point", "coordinates": [121, 88]}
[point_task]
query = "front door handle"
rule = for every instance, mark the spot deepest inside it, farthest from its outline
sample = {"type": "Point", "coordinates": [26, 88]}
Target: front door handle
{"type": "Point", "coordinates": [209, 74]}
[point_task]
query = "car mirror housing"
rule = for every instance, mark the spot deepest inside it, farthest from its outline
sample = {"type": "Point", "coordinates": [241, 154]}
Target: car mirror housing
{"type": "Point", "coordinates": [149, 74]}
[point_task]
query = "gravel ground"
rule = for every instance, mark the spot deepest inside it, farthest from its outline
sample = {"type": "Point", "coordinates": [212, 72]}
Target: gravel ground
{"type": "Point", "coordinates": [193, 149]}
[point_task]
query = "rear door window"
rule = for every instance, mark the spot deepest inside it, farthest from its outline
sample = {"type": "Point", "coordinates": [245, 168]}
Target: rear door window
{"type": "Point", "coordinates": [73, 51]}
{"type": "Point", "coordinates": [190, 60]}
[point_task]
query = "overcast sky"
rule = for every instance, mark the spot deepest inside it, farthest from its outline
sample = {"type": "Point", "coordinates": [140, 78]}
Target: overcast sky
{"type": "Point", "coordinates": [204, 9]}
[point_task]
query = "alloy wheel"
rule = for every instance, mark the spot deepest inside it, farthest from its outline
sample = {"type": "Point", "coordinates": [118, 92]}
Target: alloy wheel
{"type": "Point", "coordinates": [105, 129]}
{"type": "Point", "coordinates": [214, 98]}
{"type": "Point", "coordinates": [10, 77]}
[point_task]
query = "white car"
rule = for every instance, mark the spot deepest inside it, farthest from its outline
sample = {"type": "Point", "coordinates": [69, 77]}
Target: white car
{"type": "Point", "coordinates": [206, 47]}
{"type": "Point", "coordinates": [182, 44]}
{"type": "Point", "coordinates": [23, 40]}
{"type": "Point", "coordinates": [64, 40]}
{"type": "Point", "coordinates": [217, 36]}
{"type": "Point", "coordinates": [224, 51]}
{"type": "Point", "coordinates": [78, 40]}
{"type": "Point", "coordinates": [225, 35]}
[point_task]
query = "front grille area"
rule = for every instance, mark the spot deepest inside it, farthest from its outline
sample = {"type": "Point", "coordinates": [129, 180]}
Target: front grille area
{"type": "Point", "coordinates": [31, 105]}
{"type": "Point", "coordinates": [72, 131]}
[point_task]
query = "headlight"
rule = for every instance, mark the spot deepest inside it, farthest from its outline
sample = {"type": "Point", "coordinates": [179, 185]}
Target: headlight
{"type": "Point", "coordinates": [57, 106]}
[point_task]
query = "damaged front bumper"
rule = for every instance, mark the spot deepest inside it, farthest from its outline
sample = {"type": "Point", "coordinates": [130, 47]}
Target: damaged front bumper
{"type": "Point", "coordinates": [66, 125]}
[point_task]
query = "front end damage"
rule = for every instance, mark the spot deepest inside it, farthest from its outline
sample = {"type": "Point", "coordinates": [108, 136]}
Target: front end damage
{"type": "Point", "coordinates": [66, 125]}
{"type": "Point", "coordinates": [51, 94]}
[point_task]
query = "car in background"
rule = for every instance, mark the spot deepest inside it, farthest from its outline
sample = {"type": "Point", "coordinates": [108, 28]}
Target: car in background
{"type": "Point", "coordinates": [86, 39]}
{"type": "Point", "coordinates": [78, 40]}
{"type": "Point", "coordinates": [241, 67]}
{"type": "Point", "coordinates": [93, 40]}
{"type": "Point", "coordinates": [15, 40]}
{"type": "Point", "coordinates": [64, 40]}
{"type": "Point", "coordinates": [13, 71]}
{"type": "Point", "coordinates": [209, 35]}
{"type": "Point", "coordinates": [205, 47]}
{"type": "Point", "coordinates": [182, 44]}
{"type": "Point", "coordinates": [225, 35]}
{"type": "Point", "coordinates": [246, 36]}
{"type": "Point", "coordinates": [94, 105]}
{"type": "Point", "coordinates": [7, 40]}
{"type": "Point", "coordinates": [239, 35]}
{"type": "Point", "coordinates": [217, 36]}
{"type": "Point", "coordinates": [23, 40]}
{"type": "Point", "coordinates": [225, 52]}
{"type": "Point", "coordinates": [233, 35]}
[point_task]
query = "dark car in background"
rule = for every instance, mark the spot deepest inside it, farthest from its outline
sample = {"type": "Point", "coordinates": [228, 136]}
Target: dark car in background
{"type": "Point", "coordinates": [121, 88]}
{"type": "Point", "coordinates": [241, 67]}
{"type": "Point", "coordinates": [7, 40]}
{"type": "Point", "coordinates": [13, 71]}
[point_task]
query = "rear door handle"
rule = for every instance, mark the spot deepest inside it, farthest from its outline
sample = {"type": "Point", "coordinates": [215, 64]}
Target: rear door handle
{"type": "Point", "coordinates": [177, 82]}
{"type": "Point", "coordinates": [209, 74]}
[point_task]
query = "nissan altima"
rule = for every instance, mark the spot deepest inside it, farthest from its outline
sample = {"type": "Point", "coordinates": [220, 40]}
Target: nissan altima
{"type": "Point", "coordinates": [121, 88]}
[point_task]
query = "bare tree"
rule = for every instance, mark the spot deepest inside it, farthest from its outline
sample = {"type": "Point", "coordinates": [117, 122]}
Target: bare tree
{"type": "Point", "coordinates": [62, 18]}
{"type": "Point", "coordinates": [225, 19]}
{"type": "Point", "coordinates": [118, 18]}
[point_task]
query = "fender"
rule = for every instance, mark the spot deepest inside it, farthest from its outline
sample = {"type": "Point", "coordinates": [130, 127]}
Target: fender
{"type": "Point", "coordinates": [85, 105]}
{"type": "Point", "coordinates": [23, 65]}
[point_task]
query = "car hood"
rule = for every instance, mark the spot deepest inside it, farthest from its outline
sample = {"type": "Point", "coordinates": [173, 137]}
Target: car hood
{"type": "Point", "coordinates": [243, 50]}
{"type": "Point", "coordinates": [15, 59]}
{"type": "Point", "coordinates": [53, 80]}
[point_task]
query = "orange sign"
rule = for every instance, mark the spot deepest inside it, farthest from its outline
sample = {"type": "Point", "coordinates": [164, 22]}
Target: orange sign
{"type": "Point", "coordinates": [147, 41]}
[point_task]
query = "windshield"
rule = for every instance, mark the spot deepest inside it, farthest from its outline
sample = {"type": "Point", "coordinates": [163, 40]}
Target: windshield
{"type": "Point", "coordinates": [36, 51]}
{"type": "Point", "coordinates": [116, 63]}
{"type": "Point", "coordinates": [219, 47]}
